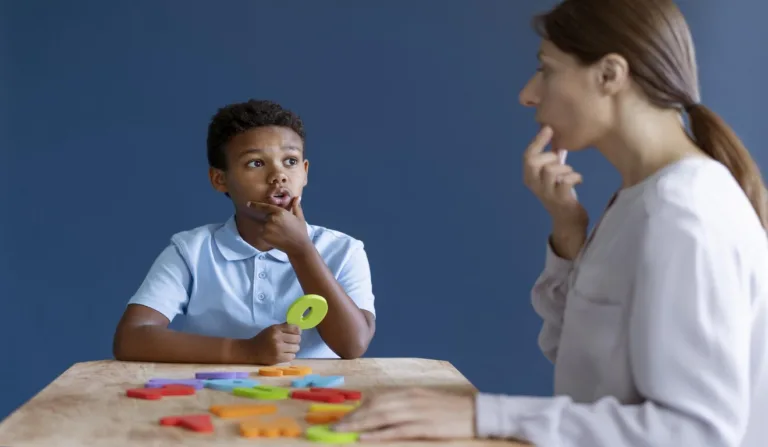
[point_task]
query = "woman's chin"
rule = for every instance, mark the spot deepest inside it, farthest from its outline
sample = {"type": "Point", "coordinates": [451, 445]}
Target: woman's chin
{"type": "Point", "coordinates": [563, 143]}
{"type": "Point", "coordinates": [558, 143]}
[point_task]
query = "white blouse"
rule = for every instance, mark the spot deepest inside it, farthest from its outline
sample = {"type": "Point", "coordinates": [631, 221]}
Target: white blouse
{"type": "Point", "coordinates": [659, 329]}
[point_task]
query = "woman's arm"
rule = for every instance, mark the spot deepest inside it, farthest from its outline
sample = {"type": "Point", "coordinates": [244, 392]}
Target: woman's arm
{"type": "Point", "coordinates": [689, 349]}
{"type": "Point", "coordinates": [548, 299]}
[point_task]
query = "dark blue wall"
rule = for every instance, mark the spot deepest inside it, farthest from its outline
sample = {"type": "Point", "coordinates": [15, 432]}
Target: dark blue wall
{"type": "Point", "coordinates": [5, 182]}
{"type": "Point", "coordinates": [415, 138]}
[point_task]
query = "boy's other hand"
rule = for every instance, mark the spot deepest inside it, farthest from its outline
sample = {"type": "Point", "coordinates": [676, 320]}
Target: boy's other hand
{"type": "Point", "coordinates": [283, 229]}
{"type": "Point", "coordinates": [278, 343]}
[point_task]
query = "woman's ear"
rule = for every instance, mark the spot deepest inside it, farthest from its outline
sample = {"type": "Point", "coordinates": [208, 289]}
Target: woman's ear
{"type": "Point", "coordinates": [613, 73]}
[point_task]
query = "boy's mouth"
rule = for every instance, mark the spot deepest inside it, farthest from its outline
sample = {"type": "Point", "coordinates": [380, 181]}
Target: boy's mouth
{"type": "Point", "coordinates": [279, 197]}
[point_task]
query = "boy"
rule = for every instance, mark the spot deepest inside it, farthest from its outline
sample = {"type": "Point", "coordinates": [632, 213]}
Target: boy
{"type": "Point", "coordinates": [235, 281]}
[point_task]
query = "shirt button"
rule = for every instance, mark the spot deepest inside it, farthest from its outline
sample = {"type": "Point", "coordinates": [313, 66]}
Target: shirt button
{"type": "Point", "coordinates": [262, 256]}
{"type": "Point", "coordinates": [262, 275]}
{"type": "Point", "coordinates": [261, 297]}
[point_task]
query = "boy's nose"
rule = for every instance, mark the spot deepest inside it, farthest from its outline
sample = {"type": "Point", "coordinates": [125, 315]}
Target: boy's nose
{"type": "Point", "coordinates": [278, 177]}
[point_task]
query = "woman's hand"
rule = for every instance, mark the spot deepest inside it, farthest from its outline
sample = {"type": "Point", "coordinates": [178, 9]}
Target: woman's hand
{"type": "Point", "coordinates": [413, 414]}
{"type": "Point", "coordinates": [552, 181]}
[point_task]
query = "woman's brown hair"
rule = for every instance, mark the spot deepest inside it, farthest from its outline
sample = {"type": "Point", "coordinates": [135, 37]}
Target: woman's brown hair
{"type": "Point", "coordinates": [654, 38]}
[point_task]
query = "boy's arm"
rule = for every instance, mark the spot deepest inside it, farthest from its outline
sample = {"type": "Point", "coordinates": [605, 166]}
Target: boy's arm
{"type": "Point", "coordinates": [143, 335]}
{"type": "Point", "coordinates": [349, 326]}
{"type": "Point", "coordinates": [347, 329]}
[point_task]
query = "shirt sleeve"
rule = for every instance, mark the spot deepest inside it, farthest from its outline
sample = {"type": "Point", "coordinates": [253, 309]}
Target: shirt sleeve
{"type": "Point", "coordinates": [355, 278]}
{"type": "Point", "coordinates": [689, 338]}
{"type": "Point", "coordinates": [548, 299]}
{"type": "Point", "coordinates": [167, 285]}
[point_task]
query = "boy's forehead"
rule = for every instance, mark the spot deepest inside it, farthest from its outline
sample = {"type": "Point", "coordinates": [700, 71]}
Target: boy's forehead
{"type": "Point", "coordinates": [266, 138]}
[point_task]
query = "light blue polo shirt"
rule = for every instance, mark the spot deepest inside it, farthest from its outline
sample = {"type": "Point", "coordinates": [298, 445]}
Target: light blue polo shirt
{"type": "Point", "coordinates": [227, 288]}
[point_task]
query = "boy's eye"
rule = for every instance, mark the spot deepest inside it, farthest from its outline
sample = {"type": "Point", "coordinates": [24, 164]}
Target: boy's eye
{"type": "Point", "coordinates": [292, 161]}
{"type": "Point", "coordinates": [255, 164]}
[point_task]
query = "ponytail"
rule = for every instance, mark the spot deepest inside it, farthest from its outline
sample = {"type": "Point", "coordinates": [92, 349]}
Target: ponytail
{"type": "Point", "coordinates": [720, 142]}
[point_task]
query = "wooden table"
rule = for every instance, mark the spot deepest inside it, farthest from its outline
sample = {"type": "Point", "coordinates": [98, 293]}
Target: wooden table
{"type": "Point", "coordinates": [86, 406]}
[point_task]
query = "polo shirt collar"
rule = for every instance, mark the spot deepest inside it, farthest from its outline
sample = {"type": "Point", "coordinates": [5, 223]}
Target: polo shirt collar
{"type": "Point", "coordinates": [235, 248]}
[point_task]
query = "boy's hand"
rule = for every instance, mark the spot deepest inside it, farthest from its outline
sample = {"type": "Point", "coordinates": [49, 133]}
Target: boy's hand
{"type": "Point", "coordinates": [278, 343]}
{"type": "Point", "coordinates": [283, 229]}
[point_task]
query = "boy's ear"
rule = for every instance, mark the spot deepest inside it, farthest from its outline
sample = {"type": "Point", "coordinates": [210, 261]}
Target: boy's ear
{"type": "Point", "coordinates": [306, 171]}
{"type": "Point", "coordinates": [218, 179]}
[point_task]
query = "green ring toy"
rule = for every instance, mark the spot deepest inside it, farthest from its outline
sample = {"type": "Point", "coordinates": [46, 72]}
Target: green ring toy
{"type": "Point", "coordinates": [323, 434]}
{"type": "Point", "coordinates": [317, 306]}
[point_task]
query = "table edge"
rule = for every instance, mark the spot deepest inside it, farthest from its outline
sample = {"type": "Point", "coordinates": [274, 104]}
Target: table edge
{"type": "Point", "coordinates": [72, 369]}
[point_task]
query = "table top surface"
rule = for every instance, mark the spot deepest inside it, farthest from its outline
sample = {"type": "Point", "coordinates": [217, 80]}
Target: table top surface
{"type": "Point", "coordinates": [87, 406]}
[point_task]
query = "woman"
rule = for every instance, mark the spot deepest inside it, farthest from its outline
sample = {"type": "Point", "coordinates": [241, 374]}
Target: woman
{"type": "Point", "coordinates": [658, 323]}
